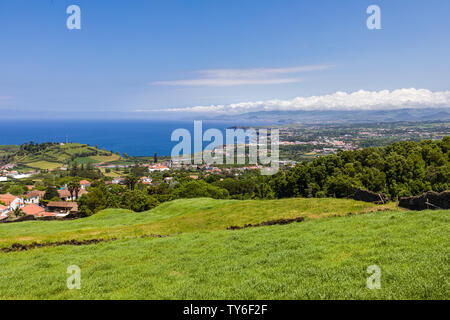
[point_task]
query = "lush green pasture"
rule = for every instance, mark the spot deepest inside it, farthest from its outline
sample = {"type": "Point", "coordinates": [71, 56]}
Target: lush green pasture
{"type": "Point", "coordinates": [46, 165]}
{"type": "Point", "coordinates": [106, 158]}
{"type": "Point", "coordinates": [189, 215]}
{"type": "Point", "coordinates": [317, 259]}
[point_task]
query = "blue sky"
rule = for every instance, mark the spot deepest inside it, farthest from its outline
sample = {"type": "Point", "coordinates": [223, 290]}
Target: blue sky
{"type": "Point", "coordinates": [155, 55]}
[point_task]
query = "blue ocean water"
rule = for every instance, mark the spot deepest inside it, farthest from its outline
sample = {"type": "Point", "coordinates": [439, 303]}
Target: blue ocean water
{"type": "Point", "coordinates": [137, 138]}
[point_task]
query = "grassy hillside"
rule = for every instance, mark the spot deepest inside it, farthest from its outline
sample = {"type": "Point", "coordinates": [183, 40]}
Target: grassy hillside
{"type": "Point", "coordinates": [180, 216]}
{"type": "Point", "coordinates": [8, 150]}
{"type": "Point", "coordinates": [318, 259]}
{"type": "Point", "coordinates": [57, 155]}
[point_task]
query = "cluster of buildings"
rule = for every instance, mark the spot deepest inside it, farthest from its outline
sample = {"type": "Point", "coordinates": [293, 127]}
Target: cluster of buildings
{"type": "Point", "coordinates": [7, 173]}
{"type": "Point", "coordinates": [9, 203]}
{"type": "Point", "coordinates": [29, 203]}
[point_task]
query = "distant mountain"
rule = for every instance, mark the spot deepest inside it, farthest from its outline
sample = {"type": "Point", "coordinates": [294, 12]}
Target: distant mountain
{"type": "Point", "coordinates": [342, 116]}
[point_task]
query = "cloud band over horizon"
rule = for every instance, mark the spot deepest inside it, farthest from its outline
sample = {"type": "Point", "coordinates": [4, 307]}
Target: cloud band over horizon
{"type": "Point", "coordinates": [359, 100]}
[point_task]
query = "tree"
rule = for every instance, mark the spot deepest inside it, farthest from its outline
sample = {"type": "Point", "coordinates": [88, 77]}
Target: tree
{"type": "Point", "coordinates": [71, 188]}
{"type": "Point", "coordinates": [155, 158]}
{"type": "Point", "coordinates": [17, 212]}
{"type": "Point", "coordinates": [93, 201]}
{"type": "Point", "coordinates": [74, 188]}
{"type": "Point", "coordinates": [51, 193]}
{"type": "Point", "coordinates": [138, 201]}
{"type": "Point", "coordinates": [198, 189]}
{"type": "Point", "coordinates": [131, 181]}
{"type": "Point", "coordinates": [341, 186]}
{"type": "Point", "coordinates": [77, 187]}
{"type": "Point", "coordinates": [16, 189]}
{"type": "Point", "coordinates": [74, 170]}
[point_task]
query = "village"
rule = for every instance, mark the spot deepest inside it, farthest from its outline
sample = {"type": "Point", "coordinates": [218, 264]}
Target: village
{"type": "Point", "coordinates": [34, 204]}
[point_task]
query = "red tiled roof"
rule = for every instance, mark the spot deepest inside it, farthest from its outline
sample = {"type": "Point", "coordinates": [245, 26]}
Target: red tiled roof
{"type": "Point", "coordinates": [33, 209]}
{"type": "Point", "coordinates": [35, 193]}
{"type": "Point", "coordinates": [63, 204]}
{"type": "Point", "coordinates": [84, 182]}
{"type": "Point", "coordinates": [46, 214]}
{"type": "Point", "coordinates": [7, 198]}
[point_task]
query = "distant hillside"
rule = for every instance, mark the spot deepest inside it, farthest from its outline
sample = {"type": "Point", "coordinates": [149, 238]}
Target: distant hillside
{"type": "Point", "coordinates": [342, 116]}
{"type": "Point", "coordinates": [7, 151]}
{"type": "Point", "coordinates": [51, 156]}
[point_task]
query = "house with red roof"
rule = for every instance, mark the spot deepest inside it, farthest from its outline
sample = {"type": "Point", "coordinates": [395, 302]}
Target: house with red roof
{"type": "Point", "coordinates": [33, 209]}
{"type": "Point", "coordinates": [146, 180]}
{"type": "Point", "coordinates": [64, 194]}
{"type": "Point", "coordinates": [84, 184]}
{"type": "Point", "coordinates": [34, 196]}
{"type": "Point", "coordinates": [3, 210]}
{"type": "Point", "coordinates": [11, 201]}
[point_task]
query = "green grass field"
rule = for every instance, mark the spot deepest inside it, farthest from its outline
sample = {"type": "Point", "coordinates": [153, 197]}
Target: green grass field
{"type": "Point", "coordinates": [180, 216]}
{"type": "Point", "coordinates": [325, 257]}
{"type": "Point", "coordinates": [46, 165]}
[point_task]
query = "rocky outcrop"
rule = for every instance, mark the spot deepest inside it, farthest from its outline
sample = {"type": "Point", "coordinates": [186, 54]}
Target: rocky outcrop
{"type": "Point", "coordinates": [428, 200]}
{"type": "Point", "coordinates": [369, 196]}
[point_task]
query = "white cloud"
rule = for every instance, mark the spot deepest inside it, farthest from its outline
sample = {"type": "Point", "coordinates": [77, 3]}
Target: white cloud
{"type": "Point", "coordinates": [237, 77]}
{"type": "Point", "coordinates": [359, 100]}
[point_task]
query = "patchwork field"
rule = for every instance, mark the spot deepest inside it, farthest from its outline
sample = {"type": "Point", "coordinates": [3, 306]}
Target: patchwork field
{"type": "Point", "coordinates": [324, 257]}
{"type": "Point", "coordinates": [8, 150]}
{"type": "Point", "coordinates": [57, 155]}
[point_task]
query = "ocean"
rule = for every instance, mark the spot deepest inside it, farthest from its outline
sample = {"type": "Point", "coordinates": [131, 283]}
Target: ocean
{"type": "Point", "coordinates": [135, 137]}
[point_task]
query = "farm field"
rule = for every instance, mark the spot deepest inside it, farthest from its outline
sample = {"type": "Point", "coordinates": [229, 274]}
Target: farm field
{"type": "Point", "coordinates": [57, 155]}
{"type": "Point", "coordinates": [45, 165]}
{"type": "Point", "coordinates": [8, 150]}
{"type": "Point", "coordinates": [324, 257]}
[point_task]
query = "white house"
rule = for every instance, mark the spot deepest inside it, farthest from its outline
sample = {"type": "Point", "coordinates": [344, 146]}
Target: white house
{"type": "Point", "coordinates": [146, 180]}
{"type": "Point", "coordinates": [34, 197]}
{"type": "Point", "coordinates": [17, 203]}
{"type": "Point", "coordinates": [157, 167]}
{"type": "Point", "coordinates": [12, 202]}
{"type": "Point", "coordinates": [22, 176]}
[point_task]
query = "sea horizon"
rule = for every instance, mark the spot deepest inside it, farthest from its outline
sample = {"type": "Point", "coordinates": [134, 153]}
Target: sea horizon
{"type": "Point", "coordinates": [134, 137]}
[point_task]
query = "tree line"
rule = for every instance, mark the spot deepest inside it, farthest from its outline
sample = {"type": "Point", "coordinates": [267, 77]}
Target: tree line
{"type": "Point", "coordinates": [400, 169]}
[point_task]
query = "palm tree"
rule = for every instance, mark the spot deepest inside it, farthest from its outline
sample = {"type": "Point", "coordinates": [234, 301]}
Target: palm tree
{"type": "Point", "coordinates": [131, 181]}
{"type": "Point", "coordinates": [77, 187]}
{"type": "Point", "coordinates": [71, 188]}
{"type": "Point", "coordinates": [17, 212]}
